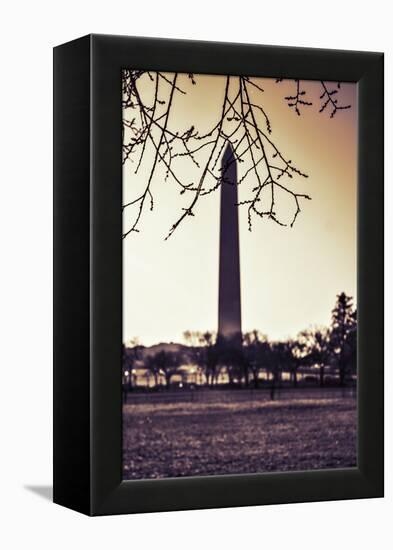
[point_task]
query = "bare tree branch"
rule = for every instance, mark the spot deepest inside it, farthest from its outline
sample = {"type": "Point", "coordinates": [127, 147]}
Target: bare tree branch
{"type": "Point", "coordinates": [242, 121]}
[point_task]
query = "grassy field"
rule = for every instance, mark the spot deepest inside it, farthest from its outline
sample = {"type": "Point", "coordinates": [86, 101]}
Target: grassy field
{"type": "Point", "coordinates": [236, 436]}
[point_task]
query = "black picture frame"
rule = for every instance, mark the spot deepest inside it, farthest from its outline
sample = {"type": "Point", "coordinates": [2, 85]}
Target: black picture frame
{"type": "Point", "coordinates": [88, 275]}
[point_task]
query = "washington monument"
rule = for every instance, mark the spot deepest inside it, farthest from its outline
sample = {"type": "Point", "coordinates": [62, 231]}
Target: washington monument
{"type": "Point", "coordinates": [229, 304]}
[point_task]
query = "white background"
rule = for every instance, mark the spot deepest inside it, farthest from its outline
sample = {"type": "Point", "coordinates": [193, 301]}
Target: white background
{"type": "Point", "coordinates": [28, 32]}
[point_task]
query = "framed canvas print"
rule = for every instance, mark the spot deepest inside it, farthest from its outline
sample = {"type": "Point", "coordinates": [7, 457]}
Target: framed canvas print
{"type": "Point", "coordinates": [218, 275]}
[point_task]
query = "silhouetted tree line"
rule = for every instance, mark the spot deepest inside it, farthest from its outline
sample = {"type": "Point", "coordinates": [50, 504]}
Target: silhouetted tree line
{"type": "Point", "coordinates": [331, 349]}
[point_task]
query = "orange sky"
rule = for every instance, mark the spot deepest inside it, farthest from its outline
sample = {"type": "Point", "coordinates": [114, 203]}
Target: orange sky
{"type": "Point", "coordinates": [289, 276]}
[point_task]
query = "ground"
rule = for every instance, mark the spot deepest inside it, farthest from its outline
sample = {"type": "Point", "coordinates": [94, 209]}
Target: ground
{"type": "Point", "coordinates": [236, 432]}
